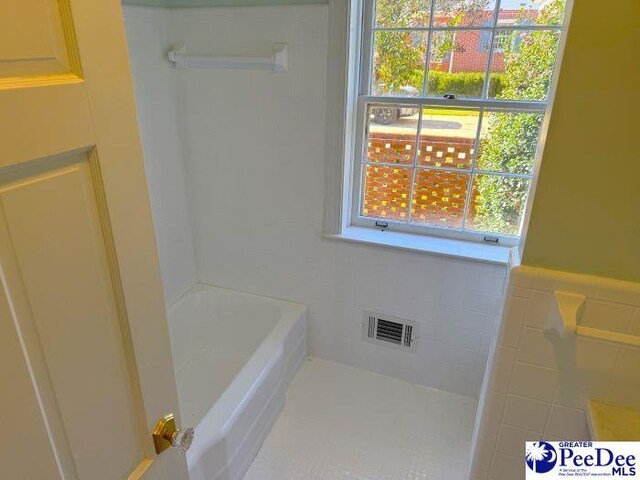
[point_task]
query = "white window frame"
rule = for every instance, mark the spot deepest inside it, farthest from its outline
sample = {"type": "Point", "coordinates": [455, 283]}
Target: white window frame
{"type": "Point", "coordinates": [350, 38]}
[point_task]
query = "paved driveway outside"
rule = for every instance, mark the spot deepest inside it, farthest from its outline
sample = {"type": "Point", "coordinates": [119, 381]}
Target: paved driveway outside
{"type": "Point", "coordinates": [436, 125]}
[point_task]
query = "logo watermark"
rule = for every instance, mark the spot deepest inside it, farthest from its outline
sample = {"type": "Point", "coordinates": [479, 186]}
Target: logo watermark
{"type": "Point", "coordinates": [541, 456]}
{"type": "Point", "coordinates": [553, 460]}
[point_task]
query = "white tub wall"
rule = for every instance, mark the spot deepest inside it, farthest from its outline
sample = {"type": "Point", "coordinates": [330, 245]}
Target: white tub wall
{"type": "Point", "coordinates": [254, 148]}
{"type": "Point", "coordinates": [538, 383]}
{"type": "Point", "coordinates": [157, 102]}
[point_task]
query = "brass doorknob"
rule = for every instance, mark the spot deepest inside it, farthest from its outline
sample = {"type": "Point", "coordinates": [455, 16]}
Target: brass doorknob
{"type": "Point", "coordinates": [166, 435]}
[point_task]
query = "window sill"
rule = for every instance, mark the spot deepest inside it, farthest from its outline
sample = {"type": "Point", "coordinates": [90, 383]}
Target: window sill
{"type": "Point", "coordinates": [447, 247]}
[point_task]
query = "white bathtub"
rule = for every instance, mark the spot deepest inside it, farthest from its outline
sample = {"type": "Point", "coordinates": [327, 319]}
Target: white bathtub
{"type": "Point", "coordinates": [234, 355]}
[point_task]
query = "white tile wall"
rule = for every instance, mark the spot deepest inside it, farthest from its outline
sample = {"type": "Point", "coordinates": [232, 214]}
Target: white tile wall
{"type": "Point", "coordinates": [538, 383]}
{"type": "Point", "coordinates": [254, 153]}
{"type": "Point", "coordinates": [156, 98]}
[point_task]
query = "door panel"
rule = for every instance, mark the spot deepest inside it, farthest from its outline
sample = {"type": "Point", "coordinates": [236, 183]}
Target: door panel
{"type": "Point", "coordinates": [56, 119]}
{"type": "Point", "coordinates": [20, 416]}
{"type": "Point", "coordinates": [52, 219]}
{"type": "Point", "coordinates": [36, 38]}
{"type": "Point", "coordinates": [84, 347]}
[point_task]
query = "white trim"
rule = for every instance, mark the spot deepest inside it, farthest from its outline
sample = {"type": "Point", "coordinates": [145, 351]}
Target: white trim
{"type": "Point", "coordinates": [476, 143]}
{"type": "Point", "coordinates": [489, 103]}
{"type": "Point", "coordinates": [366, 42]}
{"type": "Point", "coordinates": [487, 73]}
{"type": "Point", "coordinates": [447, 247]}
{"type": "Point", "coordinates": [342, 76]}
{"type": "Point", "coordinates": [356, 167]}
{"type": "Point", "coordinates": [470, 236]}
{"type": "Point", "coordinates": [427, 60]}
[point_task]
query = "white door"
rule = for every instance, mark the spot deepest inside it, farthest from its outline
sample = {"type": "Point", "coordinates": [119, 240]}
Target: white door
{"type": "Point", "coordinates": [85, 364]}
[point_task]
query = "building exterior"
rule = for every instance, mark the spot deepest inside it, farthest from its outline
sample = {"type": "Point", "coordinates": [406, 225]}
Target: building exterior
{"type": "Point", "coordinates": [470, 48]}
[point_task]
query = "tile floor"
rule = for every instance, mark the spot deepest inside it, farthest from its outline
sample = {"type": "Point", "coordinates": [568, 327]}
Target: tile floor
{"type": "Point", "coordinates": [340, 422]}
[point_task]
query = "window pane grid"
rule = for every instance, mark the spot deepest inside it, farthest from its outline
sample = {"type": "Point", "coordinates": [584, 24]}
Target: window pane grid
{"type": "Point", "coordinates": [399, 207]}
{"type": "Point", "coordinates": [476, 143]}
{"type": "Point", "coordinates": [427, 60]}
{"type": "Point", "coordinates": [485, 28]}
{"type": "Point", "coordinates": [487, 74]}
{"type": "Point", "coordinates": [446, 169]}
{"type": "Point", "coordinates": [453, 170]}
{"type": "Point", "coordinates": [415, 156]}
{"type": "Point", "coordinates": [404, 204]}
{"type": "Point", "coordinates": [443, 190]}
{"type": "Point", "coordinates": [410, 192]}
{"type": "Point", "coordinates": [514, 105]}
{"type": "Point", "coordinates": [390, 81]}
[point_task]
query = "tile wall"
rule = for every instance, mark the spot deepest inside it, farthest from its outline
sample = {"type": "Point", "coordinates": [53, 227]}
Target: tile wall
{"type": "Point", "coordinates": [538, 382]}
{"type": "Point", "coordinates": [253, 150]}
{"type": "Point", "coordinates": [157, 101]}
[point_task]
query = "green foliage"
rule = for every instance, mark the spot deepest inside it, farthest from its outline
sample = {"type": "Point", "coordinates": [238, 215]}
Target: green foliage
{"type": "Point", "coordinates": [392, 76]}
{"type": "Point", "coordinates": [402, 13]}
{"type": "Point", "coordinates": [510, 143]}
{"type": "Point", "coordinates": [398, 63]}
{"type": "Point", "coordinates": [463, 84]}
{"type": "Point", "coordinates": [511, 140]}
{"type": "Point", "coordinates": [499, 203]}
{"type": "Point", "coordinates": [399, 55]}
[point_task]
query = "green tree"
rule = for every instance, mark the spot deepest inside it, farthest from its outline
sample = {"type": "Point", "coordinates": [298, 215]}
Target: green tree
{"type": "Point", "coordinates": [512, 138]}
{"type": "Point", "coordinates": [399, 56]}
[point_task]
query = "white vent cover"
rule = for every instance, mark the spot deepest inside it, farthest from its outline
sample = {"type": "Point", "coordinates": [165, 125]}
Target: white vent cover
{"type": "Point", "coordinates": [388, 330]}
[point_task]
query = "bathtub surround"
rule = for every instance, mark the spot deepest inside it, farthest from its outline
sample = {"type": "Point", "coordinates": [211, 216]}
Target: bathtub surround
{"type": "Point", "coordinates": [157, 102]}
{"type": "Point", "coordinates": [539, 383]}
{"type": "Point", "coordinates": [256, 187]}
{"type": "Point", "coordinates": [253, 150]}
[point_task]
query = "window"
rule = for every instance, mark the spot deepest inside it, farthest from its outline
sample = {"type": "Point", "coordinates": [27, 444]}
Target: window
{"type": "Point", "coordinates": [485, 37]}
{"type": "Point", "coordinates": [499, 39]}
{"type": "Point", "coordinates": [449, 108]}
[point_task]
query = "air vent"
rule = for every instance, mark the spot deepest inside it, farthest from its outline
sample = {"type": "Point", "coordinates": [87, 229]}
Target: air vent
{"type": "Point", "coordinates": [389, 330]}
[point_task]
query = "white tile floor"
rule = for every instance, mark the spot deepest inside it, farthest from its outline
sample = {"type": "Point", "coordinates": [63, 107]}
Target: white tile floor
{"type": "Point", "coordinates": [341, 423]}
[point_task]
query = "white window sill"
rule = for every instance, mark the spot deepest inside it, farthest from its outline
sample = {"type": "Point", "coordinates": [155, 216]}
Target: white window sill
{"type": "Point", "coordinates": [425, 244]}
